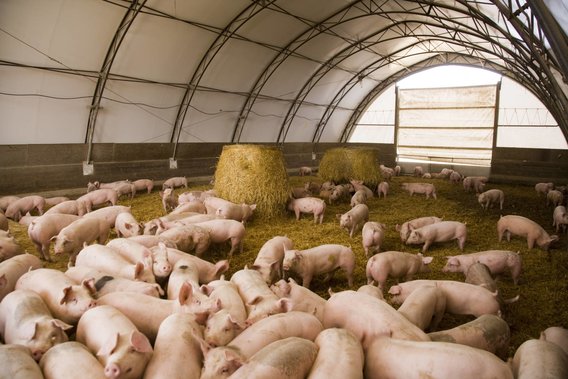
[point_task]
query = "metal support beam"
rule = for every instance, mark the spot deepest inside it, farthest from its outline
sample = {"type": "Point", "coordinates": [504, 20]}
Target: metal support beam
{"type": "Point", "coordinates": [123, 28]}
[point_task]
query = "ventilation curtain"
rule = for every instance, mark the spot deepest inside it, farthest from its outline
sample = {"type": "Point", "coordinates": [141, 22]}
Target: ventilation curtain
{"type": "Point", "coordinates": [448, 125]}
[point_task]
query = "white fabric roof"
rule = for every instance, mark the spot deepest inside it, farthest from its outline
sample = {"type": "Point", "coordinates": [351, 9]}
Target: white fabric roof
{"type": "Point", "coordinates": [75, 71]}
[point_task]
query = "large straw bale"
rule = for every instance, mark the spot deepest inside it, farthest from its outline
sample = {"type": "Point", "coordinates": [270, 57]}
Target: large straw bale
{"type": "Point", "coordinates": [253, 174]}
{"type": "Point", "coordinates": [342, 164]}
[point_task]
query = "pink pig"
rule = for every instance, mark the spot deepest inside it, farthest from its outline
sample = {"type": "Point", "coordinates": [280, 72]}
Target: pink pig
{"type": "Point", "coordinates": [71, 207]}
{"type": "Point", "coordinates": [269, 259]}
{"type": "Point", "coordinates": [20, 207]}
{"type": "Point", "coordinates": [69, 360]}
{"type": "Point", "coordinates": [416, 223]}
{"type": "Point", "coordinates": [144, 184]}
{"type": "Point", "coordinates": [178, 181]}
{"type": "Point", "coordinates": [301, 298]}
{"type": "Point", "coordinates": [308, 205]}
{"type": "Point", "coordinates": [497, 261]}
{"type": "Point", "coordinates": [98, 197]}
{"type": "Point", "coordinates": [11, 270]}
{"type": "Point", "coordinates": [354, 219]}
{"type": "Point", "coordinates": [373, 235]}
{"type": "Point", "coordinates": [524, 227]}
{"type": "Point", "coordinates": [323, 259]}
{"type": "Point", "coordinates": [438, 232]}
{"type": "Point", "coordinates": [395, 264]}
{"type": "Point", "coordinates": [70, 239]}
{"type": "Point", "coordinates": [66, 299]}
{"type": "Point", "coordinates": [383, 189]}
{"type": "Point", "coordinates": [26, 320]}
{"type": "Point", "coordinates": [44, 228]}
{"type": "Point", "coordinates": [490, 197]}
{"type": "Point", "coordinates": [560, 218]}
{"type": "Point", "coordinates": [126, 225]}
{"type": "Point", "coordinates": [116, 342]}
{"type": "Point", "coordinates": [422, 188]}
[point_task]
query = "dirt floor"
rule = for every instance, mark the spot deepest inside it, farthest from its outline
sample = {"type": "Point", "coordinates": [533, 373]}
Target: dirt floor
{"type": "Point", "coordinates": [543, 286]}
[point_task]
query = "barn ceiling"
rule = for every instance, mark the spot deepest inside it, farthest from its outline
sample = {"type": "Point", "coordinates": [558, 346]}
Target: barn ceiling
{"type": "Point", "coordinates": [83, 71]}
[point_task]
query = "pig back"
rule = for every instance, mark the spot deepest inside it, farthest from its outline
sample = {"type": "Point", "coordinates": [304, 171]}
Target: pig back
{"type": "Point", "coordinates": [71, 360]}
{"type": "Point", "coordinates": [17, 363]}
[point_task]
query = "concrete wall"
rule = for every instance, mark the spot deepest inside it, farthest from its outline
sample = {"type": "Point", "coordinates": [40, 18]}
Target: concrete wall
{"type": "Point", "coordinates": [45, 168]}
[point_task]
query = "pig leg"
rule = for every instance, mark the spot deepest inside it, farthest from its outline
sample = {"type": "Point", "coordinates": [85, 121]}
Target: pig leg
{"type": "Point", "coordinates": [427, 244]}
{"type": "Point", "coordinates": [530, 242]}
{"type": "Point", "coordinates": [461, 243]}
{"type": "Point", "coordinates": [44, 250]}
{"type": "Point", "coordinates": [306, 280]}
{"type": "Point", "coordinates": [297, 211]}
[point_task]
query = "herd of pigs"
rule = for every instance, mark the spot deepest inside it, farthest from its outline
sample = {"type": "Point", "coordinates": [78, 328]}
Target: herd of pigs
{"type": "Point", "coordinates": [146, 304]}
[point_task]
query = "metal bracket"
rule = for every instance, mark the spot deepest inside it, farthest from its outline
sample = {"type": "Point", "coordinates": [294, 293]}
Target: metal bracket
{"type": "Point", "coordinates": [88, 168]}
{"type": "Point", "coordinates": [173, 164]}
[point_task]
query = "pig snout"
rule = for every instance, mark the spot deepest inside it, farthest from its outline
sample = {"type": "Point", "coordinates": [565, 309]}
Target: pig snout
{"type": "Point", "coordinates": [37, 354]}
{"type": "Point", "coordinates": [112, 370]}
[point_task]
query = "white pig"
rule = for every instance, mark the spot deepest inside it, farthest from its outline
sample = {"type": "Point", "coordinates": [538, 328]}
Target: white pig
{"type": "Point", "coordinates": [21, 206]}
{"type": "Point", "coordinates": [183, 271]}
{"type": "Point", "coordinates": [178, 181]}
{"type": "Point", "coordinates": [288, 358]}
{"type": "Point", "coordinates": [554, 198]}
{"type": "Point", "coordinates": [147, 312]}
{"type": "Point", "coordinates": [238, 212]}
{"type": "Point", "coordinates": [382, 189]}
{"type": "Point", "coordinates": [11, 269]}
{"type": "Point", "coordinates": [354, 219]}
{"type": "Point", "coordinates": [270, 256]}
{"type": "Point", "coordinates": [5, 202]}
{"type": "Point", "coordinates": [108, 260]}
{"type": "Point", "coordinates": [71, 207]}
{"type": "Point", "coordinates": [308, 205]}
{"type": "Point", "coordinates": [474, 182]}
{"type": "Point", "coordinates": [557, 335]}
{"type": "Point", "coordinates": [26, 320]}
{"type": "Point", "coordinates": [373, 236]}
{"type": "Point", "coordinates": [259, 300]}
{"type": "Point", "coordinates": [117, 343]}
{"type": "Point", "coordinates": [177, 350]}
{"type": "Point", "coordinates": [398, 359]}
{"type": "Point", "coordinates": [17, 363]}
{"type": "Point", "coordinates": [66, 299]}
{"type": "Point", "coordinates": [368, 318]}
{"type": "Point", "coordinates": [126, 225]}
{"type": "Point", "coordinates": [422, 188]}
{"type": "Point", "coordinates": [169, 200]}
{"type": "Point", "coordinates": [301, 298]}
{"type": "Point", "coordinates": [538, 359]}
{"type": "Point", "coordinates": [71, 238]}
{"type": "Point", "coordinates": [543, 188]}
{"type": "Point", "coordinates": [359, 197]}
{"type": "Point", "coordinates": [461, 298]}
{"type": "Point", "coordinates": [438, 232]}
{"type": "Point", "coordinates": [323, 259]}
{"type": "Point", "coordinates": [143, 184]}
{"type": "Point", "coordinates": [98, 197]}
{"type": "Point", "coordinates": [222, 231]}
{"type": "Point", "coordinates": [71, 360]}
{"type": "Point", "coordinates": [524, 227]}
{"type": "Point", "coordinates": [490, 197]}
{"type": "Point", "coordinates": [424, 307]}
{"type": "Point", "coordinates": [9, 247]}
{"type": "Point", "coordinates": [416, 223]}
{"type": "Point", "coordinates": [189, 238]}
{"type": "Point", "coordinates": [108, 214]}
{"type": "Point", "coordinates": [497, 261]}
{"type": "Point", "coordinates": [44, 228]}
{"type": "Point", "coordinates": [224, 325]}
{"type": "Point", "coordinates": [207, 271]}
{"type": "Point", "coordinates": [560, 218]}
{"type": "Point", "coordinates": [487, 332]}
{"type": "Point", "coordinates": [329, 364]}
{"type": "Point", "coordinates": [397, 265]}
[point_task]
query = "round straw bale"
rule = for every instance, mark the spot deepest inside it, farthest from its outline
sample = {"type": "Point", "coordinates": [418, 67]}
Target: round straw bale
{"type": "Point", "coordinates": [253, 174]}
{"type": "Point", "coordinates": [342, 164]}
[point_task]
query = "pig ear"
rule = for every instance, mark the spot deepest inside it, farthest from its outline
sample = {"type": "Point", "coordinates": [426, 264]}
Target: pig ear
{"type": "Point", "coordinates": [252, 207]}
{"type": "Point", "coordinates": [206, 289]}
{"type": "Point", "coordinates": [60, 324]}
{"type": "Point", "coordinates": [255, 267]}
{"type": "Point", "coordinates": [29, 330]}
{"type": "Point", "coordinates": [205, 347]}
{"type": "Point", "coordinates": [138, 270]}
{"type": "Point", "coordinates": [236, 323]}
{"type": "Point", "coordinates": [128, 225]}
{"type": "Point", "coordinates": [286, 287]}
{"type": "Point", "coordinates": [338, 216]}
{"type": "Point", "coordinates": [427, 260]}
{"type": "Point", "coordinates": [255, 300]}
{"type": "Point", "coordinates": [275, 264]}
{"type": "Point", "coordinates": [140, 342]}
{"type": "Point", "coordinates": [284, 304]}
{"type": "Point", "coordinates": [185, 293]}
{"type": "Point", "coordinates": [394, 290]}
{"type": "Point", "coordinates": [89, 284]}
{"type": "Point", "coordinates": [221, 267]}
{"type": "Point", "coordinates": [3, 281]}
{"type": "Point", "coordinates": [108, 347]}
{"type": "Point", "coordinates": [67, 291]}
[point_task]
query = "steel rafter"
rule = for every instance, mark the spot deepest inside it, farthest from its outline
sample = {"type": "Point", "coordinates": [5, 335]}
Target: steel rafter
{"type": "Point", "coordinates": [121, 31]}
{"type": "Point", "coordinates": [243, 17]}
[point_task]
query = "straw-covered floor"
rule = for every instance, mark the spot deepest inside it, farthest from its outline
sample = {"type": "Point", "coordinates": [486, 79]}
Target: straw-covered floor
{"type": "Point", "coordinates": [543, 286]}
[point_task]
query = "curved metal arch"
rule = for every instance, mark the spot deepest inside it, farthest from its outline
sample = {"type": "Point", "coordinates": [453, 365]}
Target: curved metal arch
{"type": "Point", "coordinates": [236, 23]}
{"type": "Point", "coordinates": [438, 60]}
{"type": "Point", "coordinates": [121, 31]}
{"type": "Point", "coordinates": [341, 94]}
{"type": "Point", "coordinates": [314, 31]}
{"type": "Point", "coordinates": [334, 61]}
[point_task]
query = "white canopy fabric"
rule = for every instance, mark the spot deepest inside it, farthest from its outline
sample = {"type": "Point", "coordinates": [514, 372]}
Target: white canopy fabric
{"type": "Point", "coordinates": [93, 71]}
